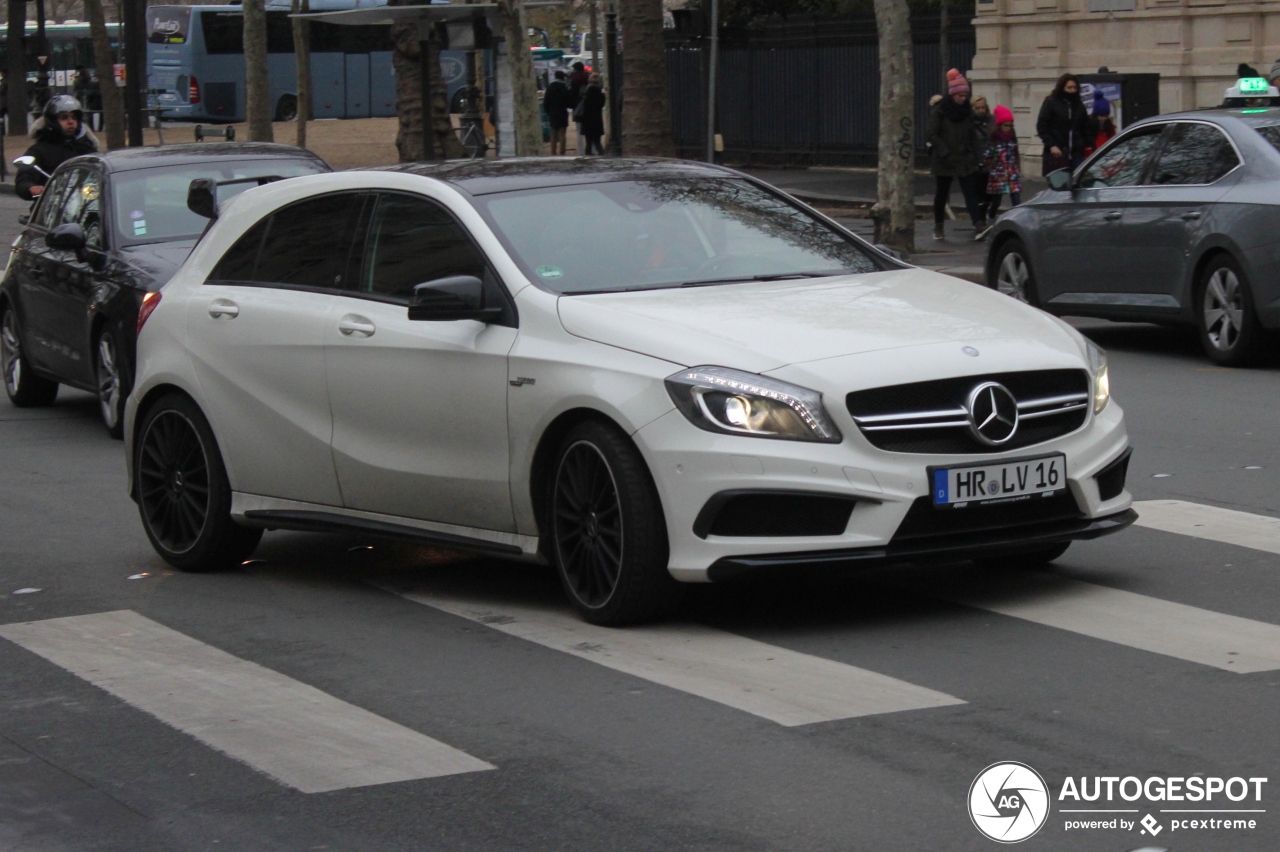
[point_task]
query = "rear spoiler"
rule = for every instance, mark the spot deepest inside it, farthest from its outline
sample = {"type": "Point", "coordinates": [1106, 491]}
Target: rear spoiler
{"type": "Point", "coordinates": [202, 194]}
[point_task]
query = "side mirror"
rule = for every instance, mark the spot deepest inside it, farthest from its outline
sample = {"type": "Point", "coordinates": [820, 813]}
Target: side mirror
{"type": "Point", "coordinates": [202, 197]}
{"type": "Point", "coordinates": [1060, 180]}
{"type": "Point", "coordinates": [457, 297]}
{"type": "Point", "coordinates": [24, 161]}
{"type": "Point", "coordinates": [66, 237]}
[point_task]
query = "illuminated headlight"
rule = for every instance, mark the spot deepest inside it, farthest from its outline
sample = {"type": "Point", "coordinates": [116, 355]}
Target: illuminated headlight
{"type": "Point", "coordinates": [1101, 383]}
{"type": "Point", "coordinates": [718, 399]}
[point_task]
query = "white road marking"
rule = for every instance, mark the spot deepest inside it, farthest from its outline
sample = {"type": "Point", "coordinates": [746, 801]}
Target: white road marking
{"type": "Point", "coordinates": [1137, 621]}
{"type": "Point", "coordinates": [296, 734]}
{"type": "Point", "coordinates": [1228, 526]}
{"type": "Point", "coordinates": [783, 686]}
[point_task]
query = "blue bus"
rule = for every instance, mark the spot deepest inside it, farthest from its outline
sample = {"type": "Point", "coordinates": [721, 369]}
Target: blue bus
{"type": "Point", "coordinates": [195, 56]}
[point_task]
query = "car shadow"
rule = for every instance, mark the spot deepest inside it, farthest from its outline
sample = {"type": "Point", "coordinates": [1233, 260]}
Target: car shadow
{"type": "Point", "coordinates": [1151, 339]}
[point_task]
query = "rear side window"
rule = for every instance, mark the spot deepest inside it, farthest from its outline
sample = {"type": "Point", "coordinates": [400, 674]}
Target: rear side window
{"type": "Point", "coordinates": [1194, 154]}
{"type": "Point", "coordinates": [412, 241]}
{"type": "Point", "coordinates": [1271, 133]}
{"type": "Point", "coordinates": [306, 244]}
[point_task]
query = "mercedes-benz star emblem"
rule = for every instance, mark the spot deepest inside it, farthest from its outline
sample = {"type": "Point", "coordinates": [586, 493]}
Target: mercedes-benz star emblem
{"type": "Point", "coordinates": [993, 413]}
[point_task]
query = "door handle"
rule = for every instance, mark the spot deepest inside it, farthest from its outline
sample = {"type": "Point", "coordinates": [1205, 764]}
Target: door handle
{"type": "Point", "coordinates": [1191, 217]}
{"type": "Point", "coordinates": [223, 308]}
{"type": "Point", "coordinates": [353, 325]}
{"type": "Point", "coordinates": [1113, 215]}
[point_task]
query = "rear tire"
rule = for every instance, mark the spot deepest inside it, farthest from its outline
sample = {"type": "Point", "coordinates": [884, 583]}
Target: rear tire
{"type": "Point", "coordinates": [111, 381]}
{"type": "Point", "coordinates": [287, 108]}
{"type": "Point", "coordinates": [184, 497]}
{"type": "Point", "coordinates": [1230, 332]}
{"type": "Point", "coordinates": [24, 387]}
{"type": "Point", "coordinates": [1032, 558]}
{"type": "Point", "coordinates": [608, 538]}
{"type": "Point", "coordinates": [1011, 273]}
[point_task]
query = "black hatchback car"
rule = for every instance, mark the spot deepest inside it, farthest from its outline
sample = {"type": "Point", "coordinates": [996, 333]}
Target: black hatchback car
{"type": "Point", "coordinates": [108, 232]}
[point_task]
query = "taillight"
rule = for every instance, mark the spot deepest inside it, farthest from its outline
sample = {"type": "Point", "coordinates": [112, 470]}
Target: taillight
{"type": "Point", "coordinates": [193, 91]}
{"type": "Point", "coordinates": [150, 301]}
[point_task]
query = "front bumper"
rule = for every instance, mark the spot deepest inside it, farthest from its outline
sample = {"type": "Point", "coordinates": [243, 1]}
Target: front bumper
{"type": "Point", "coordinates": [691, 467]}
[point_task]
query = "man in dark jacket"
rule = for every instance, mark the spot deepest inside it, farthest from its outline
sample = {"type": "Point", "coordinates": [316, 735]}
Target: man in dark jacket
{"type": "Point", "coordinates": [954, 153]}
{"type": "Point", "coordinates": [1063, 126]}
{"type": "Point", "coordinates": [59, 135]}
{"type": "Point", "coordinates": [557, 102]}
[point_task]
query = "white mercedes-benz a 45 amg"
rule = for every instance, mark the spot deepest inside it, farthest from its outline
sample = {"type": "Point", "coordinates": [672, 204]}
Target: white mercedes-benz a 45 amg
{"type": "Point", "coordinates": [639, 371]}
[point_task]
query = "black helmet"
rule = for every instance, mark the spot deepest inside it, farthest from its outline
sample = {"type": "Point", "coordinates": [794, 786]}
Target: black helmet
{"type": "Point", "coordinates": [59, 104]}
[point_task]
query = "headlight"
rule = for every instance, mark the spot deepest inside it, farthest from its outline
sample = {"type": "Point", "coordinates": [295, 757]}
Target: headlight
{"type": "Point", "coordinates": [718, 399]}
{"type": "Point", "coordinates": [1101, 383]}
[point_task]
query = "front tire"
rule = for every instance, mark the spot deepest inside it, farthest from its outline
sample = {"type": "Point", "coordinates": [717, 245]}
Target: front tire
{"type": "Point", "coordinates": [608, 535]}
{"type": "Point", "coordinates": [1229, 329]}
{"type": "Point", "coordinates": [24, 387]}
{"type": "Point", "coordinates": [184, 497]}
{"type": "Point", "coordinates": [111, 391]}
{"type": "Point", "coordinates": [1011, 273]}
{"type": "Point", "coordinates": [287, 108]}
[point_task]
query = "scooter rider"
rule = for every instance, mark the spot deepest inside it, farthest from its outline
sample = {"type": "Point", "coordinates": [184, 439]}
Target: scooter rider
{"type": "Point", "coordinates": [59, 134]}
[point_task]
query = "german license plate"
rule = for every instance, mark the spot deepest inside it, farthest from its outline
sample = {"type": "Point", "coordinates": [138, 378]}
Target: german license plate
{"type": "Point", "coordinates": [997, 483]}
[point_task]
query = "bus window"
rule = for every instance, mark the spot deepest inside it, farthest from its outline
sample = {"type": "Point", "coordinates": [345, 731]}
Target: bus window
{"type": "Point", "coordinates": [168, 24]}
{"type": "Point", "coordinates": [223, 32]}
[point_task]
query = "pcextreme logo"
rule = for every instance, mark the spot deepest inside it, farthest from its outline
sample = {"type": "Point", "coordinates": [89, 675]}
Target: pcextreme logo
{"type": "Point", "coordinates": [1008, 802]}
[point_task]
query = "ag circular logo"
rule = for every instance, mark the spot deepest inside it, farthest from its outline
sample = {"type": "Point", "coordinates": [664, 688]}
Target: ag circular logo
{"type": "Point", "coordinates": [1008, 802]}
{"type": "Point", "coordinates": [993, 413]}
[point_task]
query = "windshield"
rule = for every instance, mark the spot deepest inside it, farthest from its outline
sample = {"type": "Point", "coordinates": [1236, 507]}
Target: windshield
{"type": "Point", "coordinates": [639, 235]}
{"type": "Point", "coordinates": [150, 205]}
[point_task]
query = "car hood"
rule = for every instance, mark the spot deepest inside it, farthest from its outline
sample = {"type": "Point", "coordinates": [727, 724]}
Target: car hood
{"type": "Point", "coordinates": [761, 326]}
{"type": "Point", "coordinates": [153, 264]}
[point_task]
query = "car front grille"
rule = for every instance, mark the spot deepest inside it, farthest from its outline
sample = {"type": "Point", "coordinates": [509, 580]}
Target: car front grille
{"type": "Point", "coordinates": [930, 417]}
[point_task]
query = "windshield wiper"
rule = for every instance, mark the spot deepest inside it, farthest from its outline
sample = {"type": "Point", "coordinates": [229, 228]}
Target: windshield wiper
{"type": "Point", "coordinates": [777, 276]}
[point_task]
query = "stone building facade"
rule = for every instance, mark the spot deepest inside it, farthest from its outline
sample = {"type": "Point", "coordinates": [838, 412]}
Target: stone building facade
{"type": "Point", "coordinates": [1194, 45]}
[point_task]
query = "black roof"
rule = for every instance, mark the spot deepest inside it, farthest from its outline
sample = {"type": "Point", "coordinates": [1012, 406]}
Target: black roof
{"type": "Point", "coordinates": [481, 177]}
{"type": "Point", "coordinates": [125, 159]}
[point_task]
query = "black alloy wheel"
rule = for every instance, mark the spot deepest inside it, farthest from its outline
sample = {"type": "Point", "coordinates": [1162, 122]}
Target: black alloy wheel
{"type": "Point", "coordinates": [111, 391]}
{"type": "Point", "coordinates": [1011, 273]}
{"type": "Point", "coordinates": [24, 387]}
{"type": "Point", "coordinates": [1031, 558]}
{"type": "Point", "coordinates": [287, 108]}
{"type": "Point", "coordinates": [184, 497]}
{"type": "Point", "coordinates": [608, 536]}
{"type": "Point", "coordinates": [1230, 333]}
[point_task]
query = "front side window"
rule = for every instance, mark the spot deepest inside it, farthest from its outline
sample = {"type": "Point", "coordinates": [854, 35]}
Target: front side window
{"type": "Point", "coordinates": [651, 234]}
{"type": "Point", "coordinates": [1121, 164]}
{"type": "Point", "coordinates": [73, 201]}
{"type": "Point", "coordinates": [412, 241]}
{"type": "Point", "coordinates": [150, 205]}
{"type": "Point", "coordinates": [306, 244]}
{"type": "Point", "coordinates": [54, 197]}
{"type": "Point", "coordinates": [1193, 154]}
{"type": "Point", "coordinates": [89, 216]}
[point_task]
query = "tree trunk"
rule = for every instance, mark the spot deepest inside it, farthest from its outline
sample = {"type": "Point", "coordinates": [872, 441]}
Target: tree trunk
{"type": "Point", "coordinates": [525, 115]}
{"type": "Point", "coordinates": [257, 86]}
{"type": "Point", "coordinates": [302, 54]}
{"type": "Point", "coordinates": [894, 211]}
{"type": "Point", "coordinates": [405, 59]}
{"type": "Point", "coordinates": [17, 78]}
{"type": "Point", "coordinates": [646, 96]}
{"type": "Point", "coordinates": [112, 101]}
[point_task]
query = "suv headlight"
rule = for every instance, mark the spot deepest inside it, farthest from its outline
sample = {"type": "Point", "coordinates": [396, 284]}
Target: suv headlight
{"type": "Point", "coordinates": [718, 399]}
{"type": "Point", "coordinates": [1098, 368]}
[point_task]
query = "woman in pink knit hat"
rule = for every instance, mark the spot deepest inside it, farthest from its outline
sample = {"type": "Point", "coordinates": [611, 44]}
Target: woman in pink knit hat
{"type": "Point", "coordinates": [955, 153]}
{"type": "Point", "coordinates": [1004, 165]}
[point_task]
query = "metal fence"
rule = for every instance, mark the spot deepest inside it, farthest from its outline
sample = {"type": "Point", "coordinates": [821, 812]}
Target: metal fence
{"type": "Point", "coordinates": [783, 101]}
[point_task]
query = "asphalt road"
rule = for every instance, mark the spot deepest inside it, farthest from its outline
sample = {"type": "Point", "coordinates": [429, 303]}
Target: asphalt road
{"type": "Point", "coordinates": [275, 706]}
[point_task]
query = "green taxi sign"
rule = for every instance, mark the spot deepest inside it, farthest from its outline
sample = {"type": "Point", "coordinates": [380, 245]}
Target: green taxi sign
{"type": "Point", "coordinates": [1253, 85]}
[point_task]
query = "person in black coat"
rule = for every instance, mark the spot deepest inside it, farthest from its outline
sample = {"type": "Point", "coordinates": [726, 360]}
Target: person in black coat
{"type": "Point", "coordinates": [557, 102]}
{"type": "Point", "coordinates": [593, 100]}
{"type": "Point", "coordinates": [59, 135]}
{"type": "Point", "coordinates": [1063, 126]}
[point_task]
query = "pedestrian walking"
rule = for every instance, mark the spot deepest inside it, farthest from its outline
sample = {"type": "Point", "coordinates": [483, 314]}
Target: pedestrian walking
{"type": "Point", "coordinates": [59, 135]}
{"type": "Point", "coordinates": [579, 79]}
{"type": "Point", "coordinates": [1274, 75]}
{"type": "Point", "coordinates": [592, 115]}
{"type": "Point", "coordinates": [1003, 164]}
{"type": "Point", "coordinates": [955, 153]}
{"type": "Point", "coordinates": [556, 102]}
{"type": "Point", "coordinates": [983, 124]}
{"type": "Point", "coordinates": [1101, 126]}
{"type": "Point", "coordinates": [1063, 126]}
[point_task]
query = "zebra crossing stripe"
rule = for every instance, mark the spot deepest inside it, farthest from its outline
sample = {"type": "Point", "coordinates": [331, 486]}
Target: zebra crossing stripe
{"type": "Point", "coordinates": [784, 686]}
{"type": "Point", "coordinates": [296, 734]}
{"type": "Point", "coordinates": [1228, 526]}
{"type": "Point", "coordinates": [1150, 624]}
